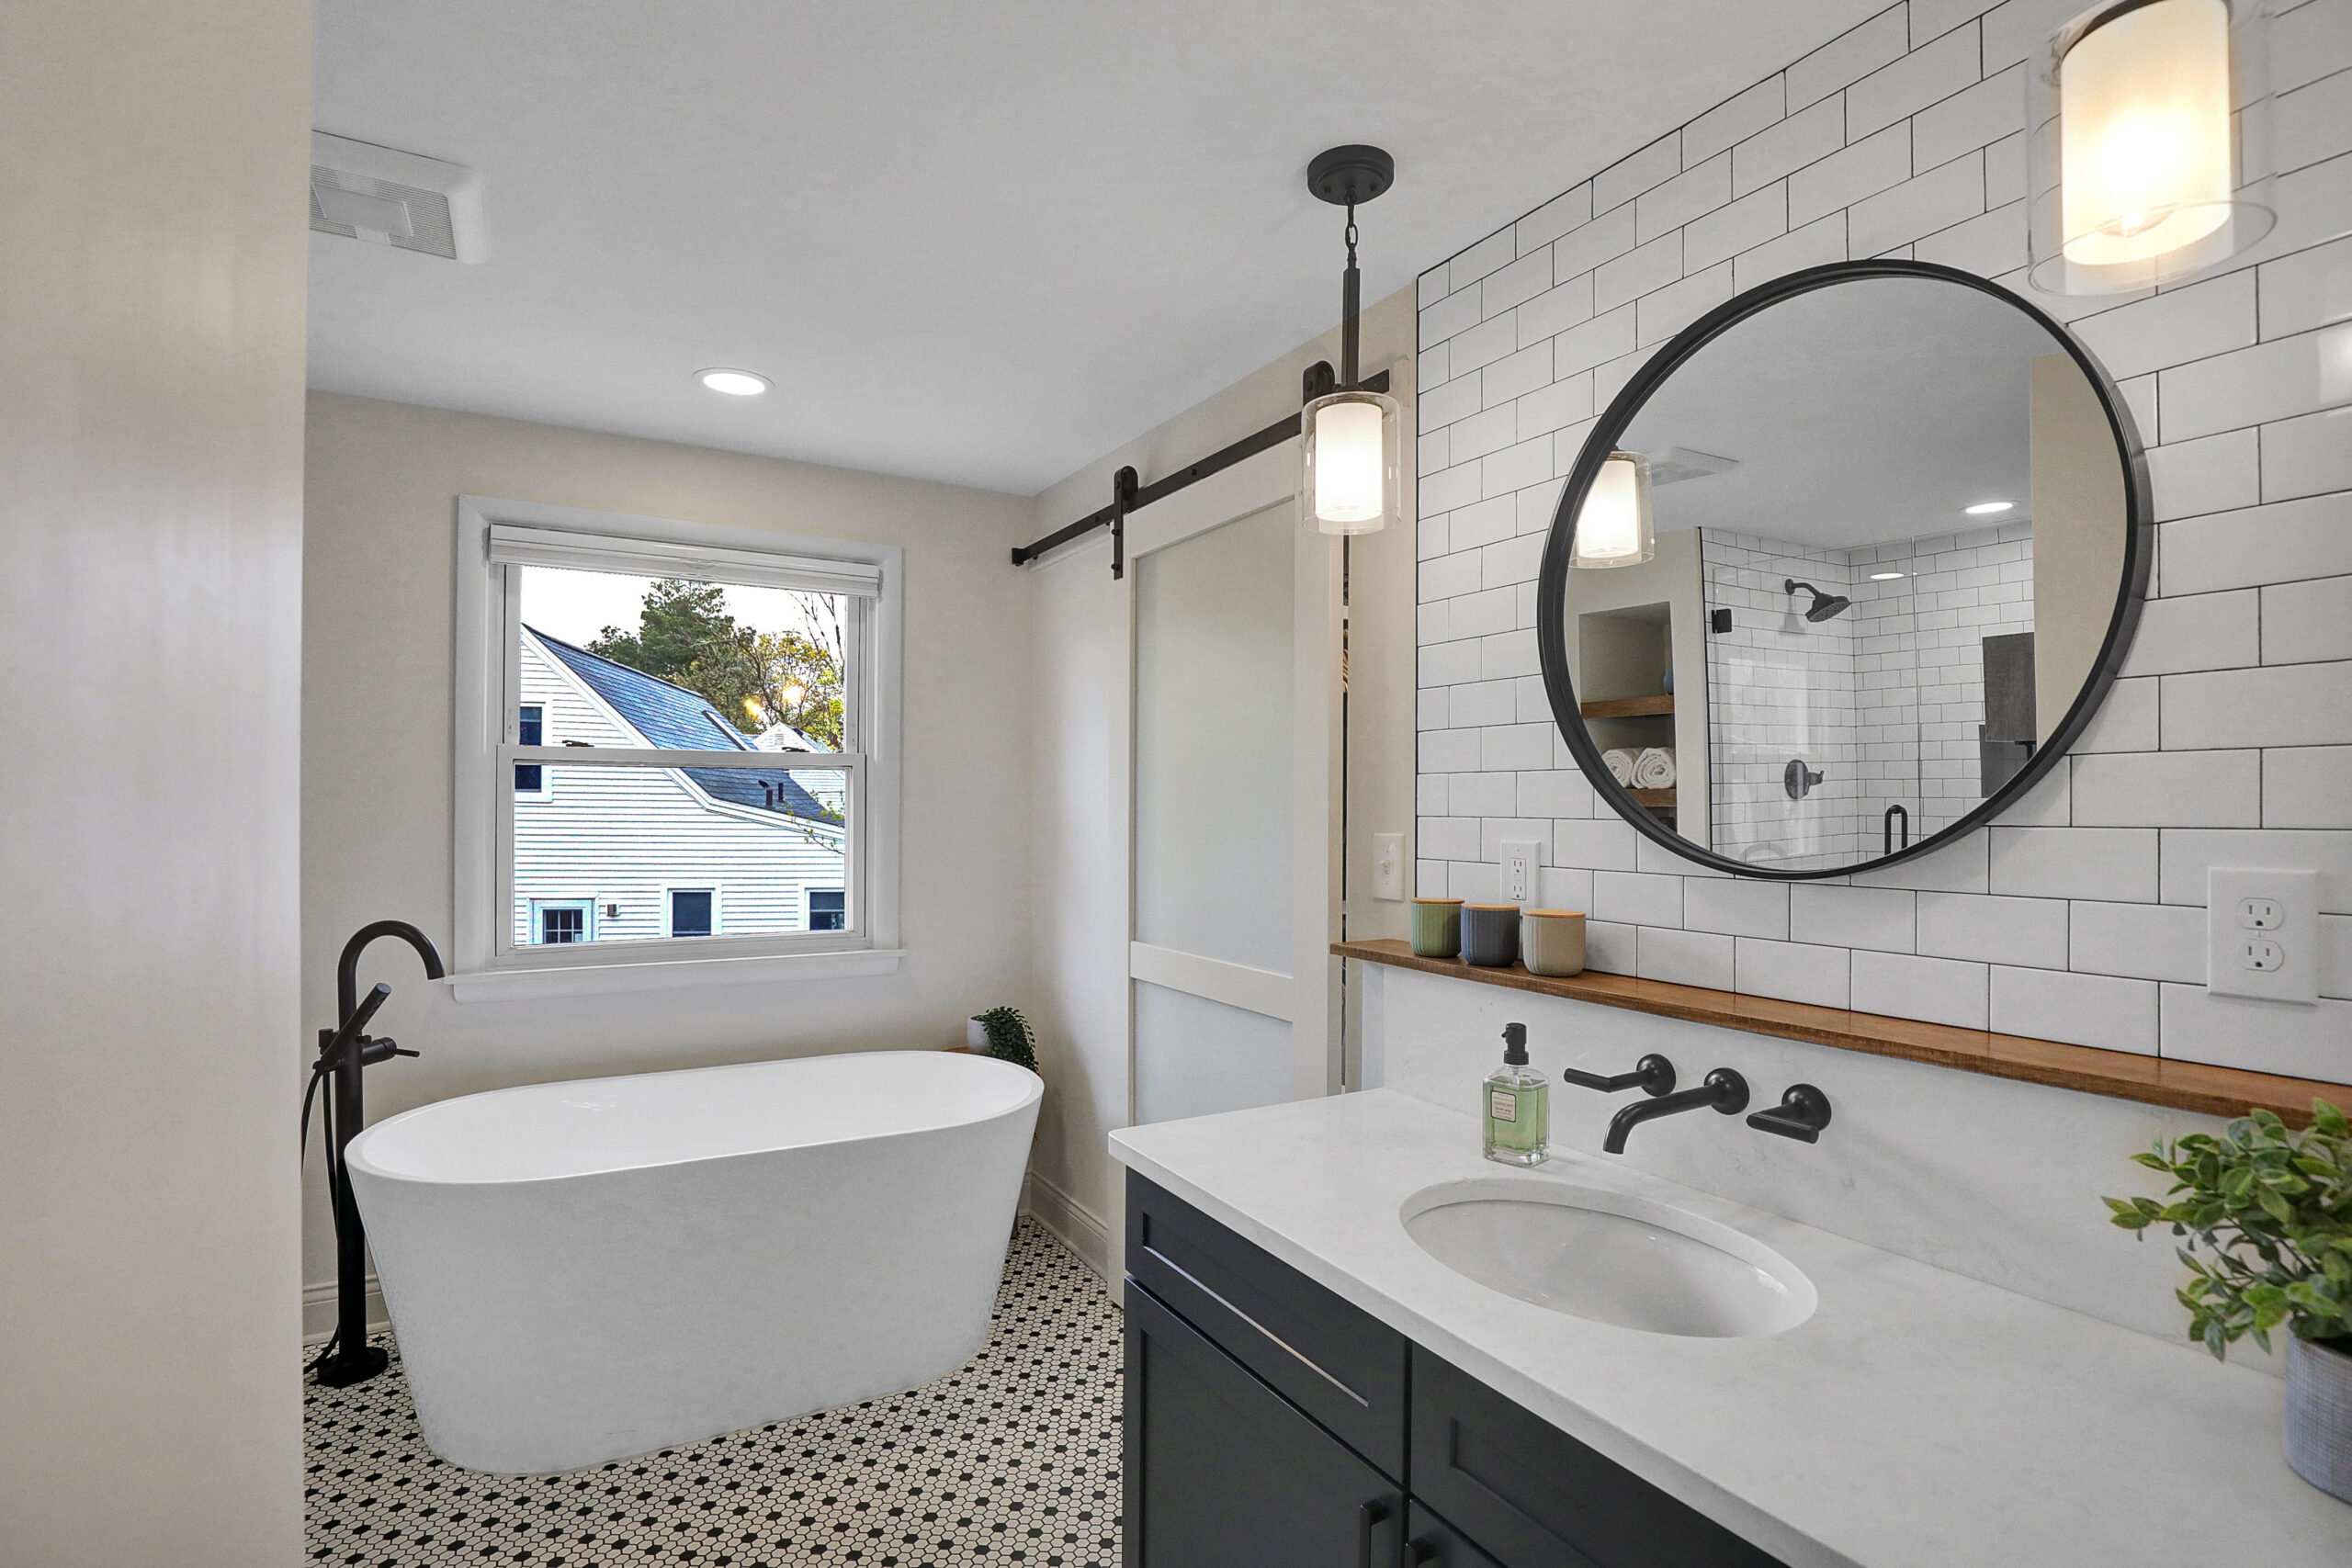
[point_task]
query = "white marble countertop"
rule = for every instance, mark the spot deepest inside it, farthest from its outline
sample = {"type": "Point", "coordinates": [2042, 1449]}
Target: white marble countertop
{"type": "Point", "coordinates": [1918, 1419]}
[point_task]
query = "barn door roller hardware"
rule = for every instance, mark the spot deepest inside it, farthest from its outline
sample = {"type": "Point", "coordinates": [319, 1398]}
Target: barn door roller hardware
{"type": "Point", "coordinates": [1126, 495]}
{"type": "Point", "coordinates": [1349, 483]}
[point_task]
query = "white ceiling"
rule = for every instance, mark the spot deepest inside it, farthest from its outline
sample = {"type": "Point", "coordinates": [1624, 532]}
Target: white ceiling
{"type": "Point", "coordinates": [1862, 414]}
{"type": "Point", "coordinates": [981, 242]}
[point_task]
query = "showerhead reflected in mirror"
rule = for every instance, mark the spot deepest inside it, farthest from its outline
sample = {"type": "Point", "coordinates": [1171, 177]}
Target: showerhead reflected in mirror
{"type": "Point", "coordinates": [1899, 528]}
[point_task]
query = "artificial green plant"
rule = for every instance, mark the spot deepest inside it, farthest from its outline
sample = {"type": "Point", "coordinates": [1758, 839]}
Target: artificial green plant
{"type": "Point", "coordinates": [2271, 1211]}
{"type": "Point", "coordinates": [1009, 1037]}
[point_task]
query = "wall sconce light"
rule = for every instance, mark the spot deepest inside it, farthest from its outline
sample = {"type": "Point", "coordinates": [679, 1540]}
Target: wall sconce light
{"type": "Point", "coordinates": [1613, 525]}
{"type": "Point", "coordinates": [2150, 143]}
{"type": "Point", "coordinates": [1351, 439]}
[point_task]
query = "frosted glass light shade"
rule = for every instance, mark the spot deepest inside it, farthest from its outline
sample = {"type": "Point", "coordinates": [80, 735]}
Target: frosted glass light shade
{"type": "Point", "coordinates": [1349, 482]}
{"type": "Point", "coordinates": [1613, 525]}
{"type": "Point", "coordinates": [2151, 143]}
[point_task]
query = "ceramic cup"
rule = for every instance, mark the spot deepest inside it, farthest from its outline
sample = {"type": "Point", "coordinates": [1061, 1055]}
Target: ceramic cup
{"type": "Point", "coordinates": [1490, 934]}
{"type": "Point", "coordinates": [1551, 942]}
{"type": "Point", "coordinates": [1437, 928]}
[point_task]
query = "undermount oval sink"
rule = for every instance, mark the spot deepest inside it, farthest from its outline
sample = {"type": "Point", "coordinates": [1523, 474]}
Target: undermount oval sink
{"type": "Point", "coordinates": [1609, 1256]}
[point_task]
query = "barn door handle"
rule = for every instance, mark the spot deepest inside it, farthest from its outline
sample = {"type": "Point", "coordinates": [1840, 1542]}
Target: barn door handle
{"type": "Point", "coordinates": [1369, 1518]}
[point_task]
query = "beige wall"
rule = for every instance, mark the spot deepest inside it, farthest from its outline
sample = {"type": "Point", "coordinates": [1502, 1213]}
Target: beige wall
{"type": "Point", "coordinates": [1078, 932]}
{"type": "Point", "coordinates": [375, 772]}
{"type": "Point", "coordinates": [151, 171]}
{"type": "Point", "coordinates": [2079, 527]}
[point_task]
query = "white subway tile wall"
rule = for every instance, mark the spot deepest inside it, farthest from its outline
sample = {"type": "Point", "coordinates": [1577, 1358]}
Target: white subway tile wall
{"type": "Point", "coordinates": [2079, 917]}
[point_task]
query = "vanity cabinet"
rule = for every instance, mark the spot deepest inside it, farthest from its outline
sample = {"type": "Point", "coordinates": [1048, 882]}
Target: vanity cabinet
{"type": "Point", "coordinates": [1270, 1424]}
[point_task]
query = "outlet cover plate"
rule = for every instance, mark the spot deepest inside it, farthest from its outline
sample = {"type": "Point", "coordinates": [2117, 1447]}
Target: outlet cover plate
{"type": "Point", "coordinates": [2262, 935]}
{"type": "Point", "coordinates": [1519, 857]}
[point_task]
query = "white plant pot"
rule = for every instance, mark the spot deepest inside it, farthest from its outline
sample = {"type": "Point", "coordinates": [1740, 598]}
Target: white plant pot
{"type": "Point", "coordinates": [976, 1034]}
{"type": "Point", "coordinates": [2319, 1414]}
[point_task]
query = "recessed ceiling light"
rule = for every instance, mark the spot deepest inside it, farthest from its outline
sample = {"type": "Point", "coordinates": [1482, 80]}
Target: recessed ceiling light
{"type": "Point", "coordinates": [734, 383]}
{"type": "Point", "coordinates": [1885, 576]}
{"type": "Point", "coordinates": [1986, 508]}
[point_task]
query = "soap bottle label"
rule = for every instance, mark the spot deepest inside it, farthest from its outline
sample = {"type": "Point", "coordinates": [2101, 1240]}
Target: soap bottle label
{"type": "Point", "coordinates": [1503, 1105]}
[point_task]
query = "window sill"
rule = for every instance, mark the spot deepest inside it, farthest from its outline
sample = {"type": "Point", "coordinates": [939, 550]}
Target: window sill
{"type": "Point", "coordinates": [595, 979]}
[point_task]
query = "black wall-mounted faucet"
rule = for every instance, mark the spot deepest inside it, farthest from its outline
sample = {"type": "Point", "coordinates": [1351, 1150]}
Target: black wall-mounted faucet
{"type": "Point", "coordinates": [1722, 1090]}
{"type": "Point", "coordinates": [1802, 1113]}
{"type": "Point", "coordinates": [1653, 1073]}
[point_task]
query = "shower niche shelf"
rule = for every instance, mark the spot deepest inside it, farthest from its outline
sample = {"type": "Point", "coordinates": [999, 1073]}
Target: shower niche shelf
{"type": "Point", "coordinates": [1660, 704]}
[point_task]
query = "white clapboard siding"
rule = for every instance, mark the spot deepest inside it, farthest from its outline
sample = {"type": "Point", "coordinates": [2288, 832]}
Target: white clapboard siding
{"type": "Point", "coordinates": [620, 837]}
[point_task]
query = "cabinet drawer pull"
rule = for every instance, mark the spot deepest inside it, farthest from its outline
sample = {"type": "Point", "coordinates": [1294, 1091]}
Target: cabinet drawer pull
{"type": "Point", "coordinates": [1369, 1517]}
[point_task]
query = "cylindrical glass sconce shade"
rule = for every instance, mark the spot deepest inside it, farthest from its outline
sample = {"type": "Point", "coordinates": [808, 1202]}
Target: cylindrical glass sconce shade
{"type": "Point", "coordinates": [1349, 481]}
{"type": "Point", "coordinates": [1613, 525]}
{"type": "Point", "coordinates": [2150, 150]}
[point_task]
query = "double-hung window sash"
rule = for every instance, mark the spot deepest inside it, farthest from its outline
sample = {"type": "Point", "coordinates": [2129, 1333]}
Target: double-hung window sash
{"type": "Point", "coordinates": [857, 583]}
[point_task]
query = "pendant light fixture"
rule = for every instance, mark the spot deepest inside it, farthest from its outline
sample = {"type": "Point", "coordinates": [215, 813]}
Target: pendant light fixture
{"type": "Point", "coordinates": [1350, 438]}
{"type": "Point", "coordinates": [1612, 526]}
{"type": "Point", "coordinates": [2151, 148]}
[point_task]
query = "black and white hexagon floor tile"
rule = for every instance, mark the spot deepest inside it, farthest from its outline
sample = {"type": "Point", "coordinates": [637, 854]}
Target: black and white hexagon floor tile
{"type": "Point", "coordinates": [1014, 1460]}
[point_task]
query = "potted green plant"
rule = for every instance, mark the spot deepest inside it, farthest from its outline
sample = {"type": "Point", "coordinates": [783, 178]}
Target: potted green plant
{"type": "Point", "coordinates": [1004, 1034]}
{"type": "Point", "coordinates": [2267, 1214]}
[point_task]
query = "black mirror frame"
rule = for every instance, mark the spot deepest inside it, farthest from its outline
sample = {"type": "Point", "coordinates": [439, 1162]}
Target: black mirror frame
{"type": "Point", "coordinates": [1551, 588]}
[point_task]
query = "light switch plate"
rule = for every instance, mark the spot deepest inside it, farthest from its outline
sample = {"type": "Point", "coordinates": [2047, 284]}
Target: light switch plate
{"type": "Point", "coordinates": [1519, 861]}
{"type": "Point", "coordinates": [1388, 866]}
{"type": "Point", "coordinates": [2262, 936]}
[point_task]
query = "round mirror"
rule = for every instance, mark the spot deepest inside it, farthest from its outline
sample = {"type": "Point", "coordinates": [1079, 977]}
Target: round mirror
{"type": "Point", "coordinates": [1845, 568]}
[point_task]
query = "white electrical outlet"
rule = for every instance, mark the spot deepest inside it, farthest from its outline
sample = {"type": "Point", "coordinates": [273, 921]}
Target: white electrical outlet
{"type": "Point", "coordinates": [1388, 866]}
{"type": "Point", "coordinates": [1518, 870]}
{"type": "Point", "coordinates": [2262, 934]}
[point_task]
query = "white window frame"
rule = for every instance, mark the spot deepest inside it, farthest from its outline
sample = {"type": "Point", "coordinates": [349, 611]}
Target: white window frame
{"type": "Point", "coordinates": [717, 920]}
{"type": "Point", "coordinates": [807, 912]}
{"type": "Point", "coordinates": [489, 963]}
{"type": "Point", "coordinates": [587, 908]}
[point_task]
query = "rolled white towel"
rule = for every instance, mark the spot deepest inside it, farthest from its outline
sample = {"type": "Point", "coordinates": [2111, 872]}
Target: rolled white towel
{"type": "Point", "coordinates": [1654, 769]}
{"type": "Point", "coordinates": [1620, 764]}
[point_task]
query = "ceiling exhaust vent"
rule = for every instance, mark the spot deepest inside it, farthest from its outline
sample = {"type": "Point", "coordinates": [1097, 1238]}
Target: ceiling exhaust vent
{"type": "Point", "coordinates": [365, 192]}
{"type": "Point", "coordinates": [1672, 464]}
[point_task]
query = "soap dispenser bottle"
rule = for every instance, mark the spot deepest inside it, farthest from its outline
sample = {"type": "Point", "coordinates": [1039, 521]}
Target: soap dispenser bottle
{"type": "Point", "coordinates": [1518, 1112]}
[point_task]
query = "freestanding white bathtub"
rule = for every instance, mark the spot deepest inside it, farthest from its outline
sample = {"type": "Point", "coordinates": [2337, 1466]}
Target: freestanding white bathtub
{"type": "Point", "coordinates": [580, 1272]}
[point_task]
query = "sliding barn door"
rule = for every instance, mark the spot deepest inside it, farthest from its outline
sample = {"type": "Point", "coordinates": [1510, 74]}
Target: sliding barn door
{"type": "Point", "coordinates": [1232, 792]}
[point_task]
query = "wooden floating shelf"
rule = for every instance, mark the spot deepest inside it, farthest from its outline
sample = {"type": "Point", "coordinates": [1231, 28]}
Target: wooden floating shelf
{"type": "Point", "coordinates": [2120, 1075]}
{"type": "Point", "coordinates": [1658, 798]}
{"type": "Point", "coordinates": [1628, 707]}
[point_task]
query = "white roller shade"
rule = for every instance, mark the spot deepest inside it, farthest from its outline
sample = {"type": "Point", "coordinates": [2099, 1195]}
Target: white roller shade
{"type": "Point", "coordinates": [516, 544]}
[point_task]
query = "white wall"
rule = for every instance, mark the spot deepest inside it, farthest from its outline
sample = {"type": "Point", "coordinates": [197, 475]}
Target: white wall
{"type": "Point", "coordinates": [376, 761]}
{"type": "Point", "coordinates": [2229, 740]}
{"type": "Point", "coordinates": [1079, 933]}
{"type": "Point", "coordinates": [152, 168]}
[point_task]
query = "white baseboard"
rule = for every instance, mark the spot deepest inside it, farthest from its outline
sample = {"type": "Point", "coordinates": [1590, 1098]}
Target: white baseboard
{"type": "Point", "coordinates": [1078, 1227]}
{"type": "Point", "coordinates": [319, 1308]}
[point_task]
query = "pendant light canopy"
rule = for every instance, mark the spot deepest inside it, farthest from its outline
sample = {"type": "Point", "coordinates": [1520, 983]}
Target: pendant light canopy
{"type": "Point", "coordinates": [1352, 438]}
{"type": "Point", "coordinates": [2151, 154]}
{"type": "Point", "coordinates": [1612, 526]}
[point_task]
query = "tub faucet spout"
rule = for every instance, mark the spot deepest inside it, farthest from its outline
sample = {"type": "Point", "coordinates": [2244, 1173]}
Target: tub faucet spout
{"type": "Point", "coordinates": [1722, 1090]}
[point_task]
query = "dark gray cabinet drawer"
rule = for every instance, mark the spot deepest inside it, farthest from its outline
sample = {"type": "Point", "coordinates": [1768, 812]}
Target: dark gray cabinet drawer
{"type": "Point", "coordinates": [1224, 1472]}
{"type": "Point", "coordinates": [1340, 1365]}
{"type": "Point", "coordinates": [1535, 1497]}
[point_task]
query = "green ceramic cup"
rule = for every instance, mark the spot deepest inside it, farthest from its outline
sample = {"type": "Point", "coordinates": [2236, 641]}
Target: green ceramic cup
{"type": "Point", "coordinates": [1437, 928]}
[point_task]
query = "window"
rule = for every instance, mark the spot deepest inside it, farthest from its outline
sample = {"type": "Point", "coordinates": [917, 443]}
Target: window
{"type": "Point", "coordinates": [726, 704]}
{"type": "Point", "coordinates": [692, 911]}
{"type": "Point", "coordinates": [529, 777]}
{"type": "Point", "coordinates": [555, 920]}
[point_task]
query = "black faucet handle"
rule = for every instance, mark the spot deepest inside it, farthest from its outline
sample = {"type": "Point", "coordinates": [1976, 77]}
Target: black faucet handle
{"type": "Point", "coordinates": [1802, 1113]}
{"type": "Point", "coordinates": [372, 1051]}
{"type": "Point", "coordinates": [1654, 1073]}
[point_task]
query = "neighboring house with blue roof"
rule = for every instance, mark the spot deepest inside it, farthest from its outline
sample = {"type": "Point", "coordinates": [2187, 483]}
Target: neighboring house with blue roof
{"type": "Point", "coordinates": [621, 854]}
